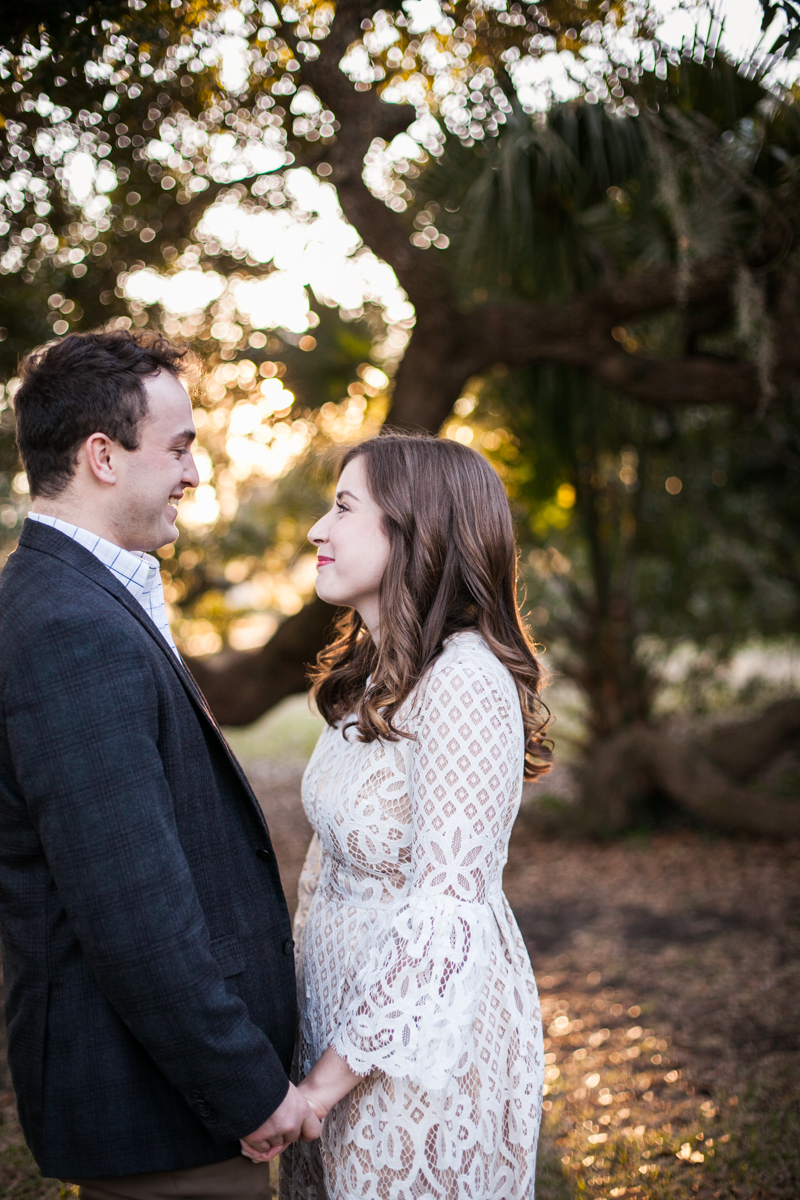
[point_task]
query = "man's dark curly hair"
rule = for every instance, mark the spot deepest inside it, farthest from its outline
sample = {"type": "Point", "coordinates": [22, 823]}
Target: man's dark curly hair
{"type": "Point", "coordinates": [83, 384]}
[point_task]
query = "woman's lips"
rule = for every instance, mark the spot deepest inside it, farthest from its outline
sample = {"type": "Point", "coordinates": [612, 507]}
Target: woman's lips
{"type": "Point", "coordinates": [322, 561]}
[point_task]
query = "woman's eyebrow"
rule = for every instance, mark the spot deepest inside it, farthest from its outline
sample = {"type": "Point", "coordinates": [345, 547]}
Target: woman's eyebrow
{"type": "Point", "coordinates": [352, 495]}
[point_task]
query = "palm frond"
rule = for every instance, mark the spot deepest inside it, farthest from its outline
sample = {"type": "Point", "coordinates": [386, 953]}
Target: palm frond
{"type": "Point", "coordinates": [557, 201]}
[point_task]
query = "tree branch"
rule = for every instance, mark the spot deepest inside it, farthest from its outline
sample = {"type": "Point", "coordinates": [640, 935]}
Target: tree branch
{"type": "Point", "coordinates": [240, 687]}
{"type": "Point", "coordinates": [362, 117]}
{"type": "Point", "coordinates": [578, 334]}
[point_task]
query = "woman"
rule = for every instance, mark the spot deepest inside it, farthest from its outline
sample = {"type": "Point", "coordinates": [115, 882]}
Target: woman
{"type": "Point", "coordinates": [420, 1038]}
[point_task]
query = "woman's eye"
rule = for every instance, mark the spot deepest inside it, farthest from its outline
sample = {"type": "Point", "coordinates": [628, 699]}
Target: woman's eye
{"type": "Point", "coordinates": [341, 507]}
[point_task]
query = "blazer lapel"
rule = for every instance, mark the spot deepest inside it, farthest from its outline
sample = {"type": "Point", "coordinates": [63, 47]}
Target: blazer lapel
{"type": "Point", "coordinates": [47, 540]}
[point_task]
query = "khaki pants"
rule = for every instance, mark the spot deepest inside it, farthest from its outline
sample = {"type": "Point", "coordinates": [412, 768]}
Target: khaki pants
{"type": "Point", "coordinates": [236, 1179]}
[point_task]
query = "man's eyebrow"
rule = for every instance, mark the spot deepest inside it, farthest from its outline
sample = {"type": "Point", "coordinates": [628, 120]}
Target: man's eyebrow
{"type": "Point", "coordinates": [184, 438]}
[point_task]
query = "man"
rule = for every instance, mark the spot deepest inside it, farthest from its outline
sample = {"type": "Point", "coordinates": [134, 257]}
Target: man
{"type": "Point", "coordinates": [147, 950]}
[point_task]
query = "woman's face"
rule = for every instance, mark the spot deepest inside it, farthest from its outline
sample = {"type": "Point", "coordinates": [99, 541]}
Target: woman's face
{"type": "Point", "coordinates": [352, 548]}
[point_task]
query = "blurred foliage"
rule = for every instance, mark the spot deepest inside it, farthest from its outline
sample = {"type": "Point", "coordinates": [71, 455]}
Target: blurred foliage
{"type": "Point", "coordinates": [788, 40]}
{"type": "Point", "coordinates": [643, 531]}
{"type": "Point", "coordinates": [122, 125]}
{"type": "Point", "coordinates": [568, 200]}
{"type": "Point", "coordinates": [140, 146]}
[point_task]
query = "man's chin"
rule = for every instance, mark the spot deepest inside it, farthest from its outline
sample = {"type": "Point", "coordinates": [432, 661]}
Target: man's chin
{"type": "Point", "coordinates": [166, 535]}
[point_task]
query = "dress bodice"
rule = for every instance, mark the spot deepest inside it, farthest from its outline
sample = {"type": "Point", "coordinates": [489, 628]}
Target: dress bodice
{"type": "Point", "coordinates": [432, 812]}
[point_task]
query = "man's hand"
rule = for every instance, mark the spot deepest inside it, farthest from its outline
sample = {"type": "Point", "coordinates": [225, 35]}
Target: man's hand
{"type": "Point", "coordinates": [293, 1120]}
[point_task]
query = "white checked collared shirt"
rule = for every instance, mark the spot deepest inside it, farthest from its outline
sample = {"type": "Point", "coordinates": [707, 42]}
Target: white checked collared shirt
{"type": "Point", "coordinates": [138, 572]}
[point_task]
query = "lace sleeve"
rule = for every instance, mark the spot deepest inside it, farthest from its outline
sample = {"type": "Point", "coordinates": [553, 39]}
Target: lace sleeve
{"type": "Point", "coordinates": [307, 886]}
{"type": "Point", "coordinates": [408, 1006]}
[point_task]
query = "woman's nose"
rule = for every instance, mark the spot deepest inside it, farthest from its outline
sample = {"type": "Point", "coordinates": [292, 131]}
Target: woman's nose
{"type": "Point", "coordinates": [316, 533]}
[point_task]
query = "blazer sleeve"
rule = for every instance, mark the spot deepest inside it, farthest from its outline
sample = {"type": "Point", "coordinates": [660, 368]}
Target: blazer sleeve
{"type": "Point", "coordinates": [82, 721]}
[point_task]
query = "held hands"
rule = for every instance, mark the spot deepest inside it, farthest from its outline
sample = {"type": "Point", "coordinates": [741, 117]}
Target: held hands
{"type": "Point", "coordinates": [293, 1120]}
{"type": "Point", "coordinates": [301, 1115]}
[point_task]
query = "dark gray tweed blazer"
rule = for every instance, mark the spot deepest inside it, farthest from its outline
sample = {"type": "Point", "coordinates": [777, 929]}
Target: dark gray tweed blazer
{"type": "Point", "coordinates": [150, 992]}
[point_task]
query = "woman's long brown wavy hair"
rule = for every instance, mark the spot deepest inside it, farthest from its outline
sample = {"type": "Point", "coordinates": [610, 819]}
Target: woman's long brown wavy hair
{"type": "Point", "coordinates": [452, 566]}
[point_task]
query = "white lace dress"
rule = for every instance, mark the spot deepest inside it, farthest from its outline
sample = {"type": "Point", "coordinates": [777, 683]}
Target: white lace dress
{"type": "Point", "coordinates": [410, 962]}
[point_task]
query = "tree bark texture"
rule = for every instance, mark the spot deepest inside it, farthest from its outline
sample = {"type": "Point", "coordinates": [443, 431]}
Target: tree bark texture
{"type": "Point", "coordinates": [241, 687]}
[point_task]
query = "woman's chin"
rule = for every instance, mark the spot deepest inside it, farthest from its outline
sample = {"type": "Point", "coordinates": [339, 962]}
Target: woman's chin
{"type": "Point", "coordinates": [332, 596]}
{"type": "Point", "coordinates": [325, 593]}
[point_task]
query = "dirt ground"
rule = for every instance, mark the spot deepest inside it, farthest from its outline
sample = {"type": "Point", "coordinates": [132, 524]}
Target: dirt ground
{"type": "Point", "coordinates": [669, 971]}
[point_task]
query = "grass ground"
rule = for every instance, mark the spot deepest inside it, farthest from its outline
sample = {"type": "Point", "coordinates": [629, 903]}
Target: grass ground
{"type": "Point", "coordinates": [669, 970]}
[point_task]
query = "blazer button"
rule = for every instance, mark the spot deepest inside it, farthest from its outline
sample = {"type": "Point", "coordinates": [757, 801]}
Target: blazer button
{"type": "Point", "coordinates": [288, 946]}
{"type": "Point", "coordinates": [204, 1109]}
{"type": "Point", "coordinates": [263, 853]}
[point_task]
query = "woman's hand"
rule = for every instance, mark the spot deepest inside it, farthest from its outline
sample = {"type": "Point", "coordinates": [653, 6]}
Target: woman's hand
{"type": "Point", "coordinates": [315, 1103]}
{"type": "Point", "coordinates": [327, 1082]}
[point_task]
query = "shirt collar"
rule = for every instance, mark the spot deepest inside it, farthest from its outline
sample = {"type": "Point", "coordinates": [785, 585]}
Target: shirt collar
{"type": "Point", "coordinates": [139, 571]}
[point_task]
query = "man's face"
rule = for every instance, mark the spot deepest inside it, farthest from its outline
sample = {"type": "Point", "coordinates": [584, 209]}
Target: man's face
{"type": "Point", "coordinates": [151, 480]}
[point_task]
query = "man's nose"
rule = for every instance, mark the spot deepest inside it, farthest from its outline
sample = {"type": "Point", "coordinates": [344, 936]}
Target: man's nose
{"type": "Point", "coordinates": [191, 477]}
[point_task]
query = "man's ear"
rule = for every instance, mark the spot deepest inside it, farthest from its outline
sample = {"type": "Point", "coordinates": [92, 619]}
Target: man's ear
{"type": "Point", "coordinates": [98, 452]}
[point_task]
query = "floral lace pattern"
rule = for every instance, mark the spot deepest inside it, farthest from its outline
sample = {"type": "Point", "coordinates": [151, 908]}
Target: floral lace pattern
{"type": "Point", "coordinates": [410, 962]}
